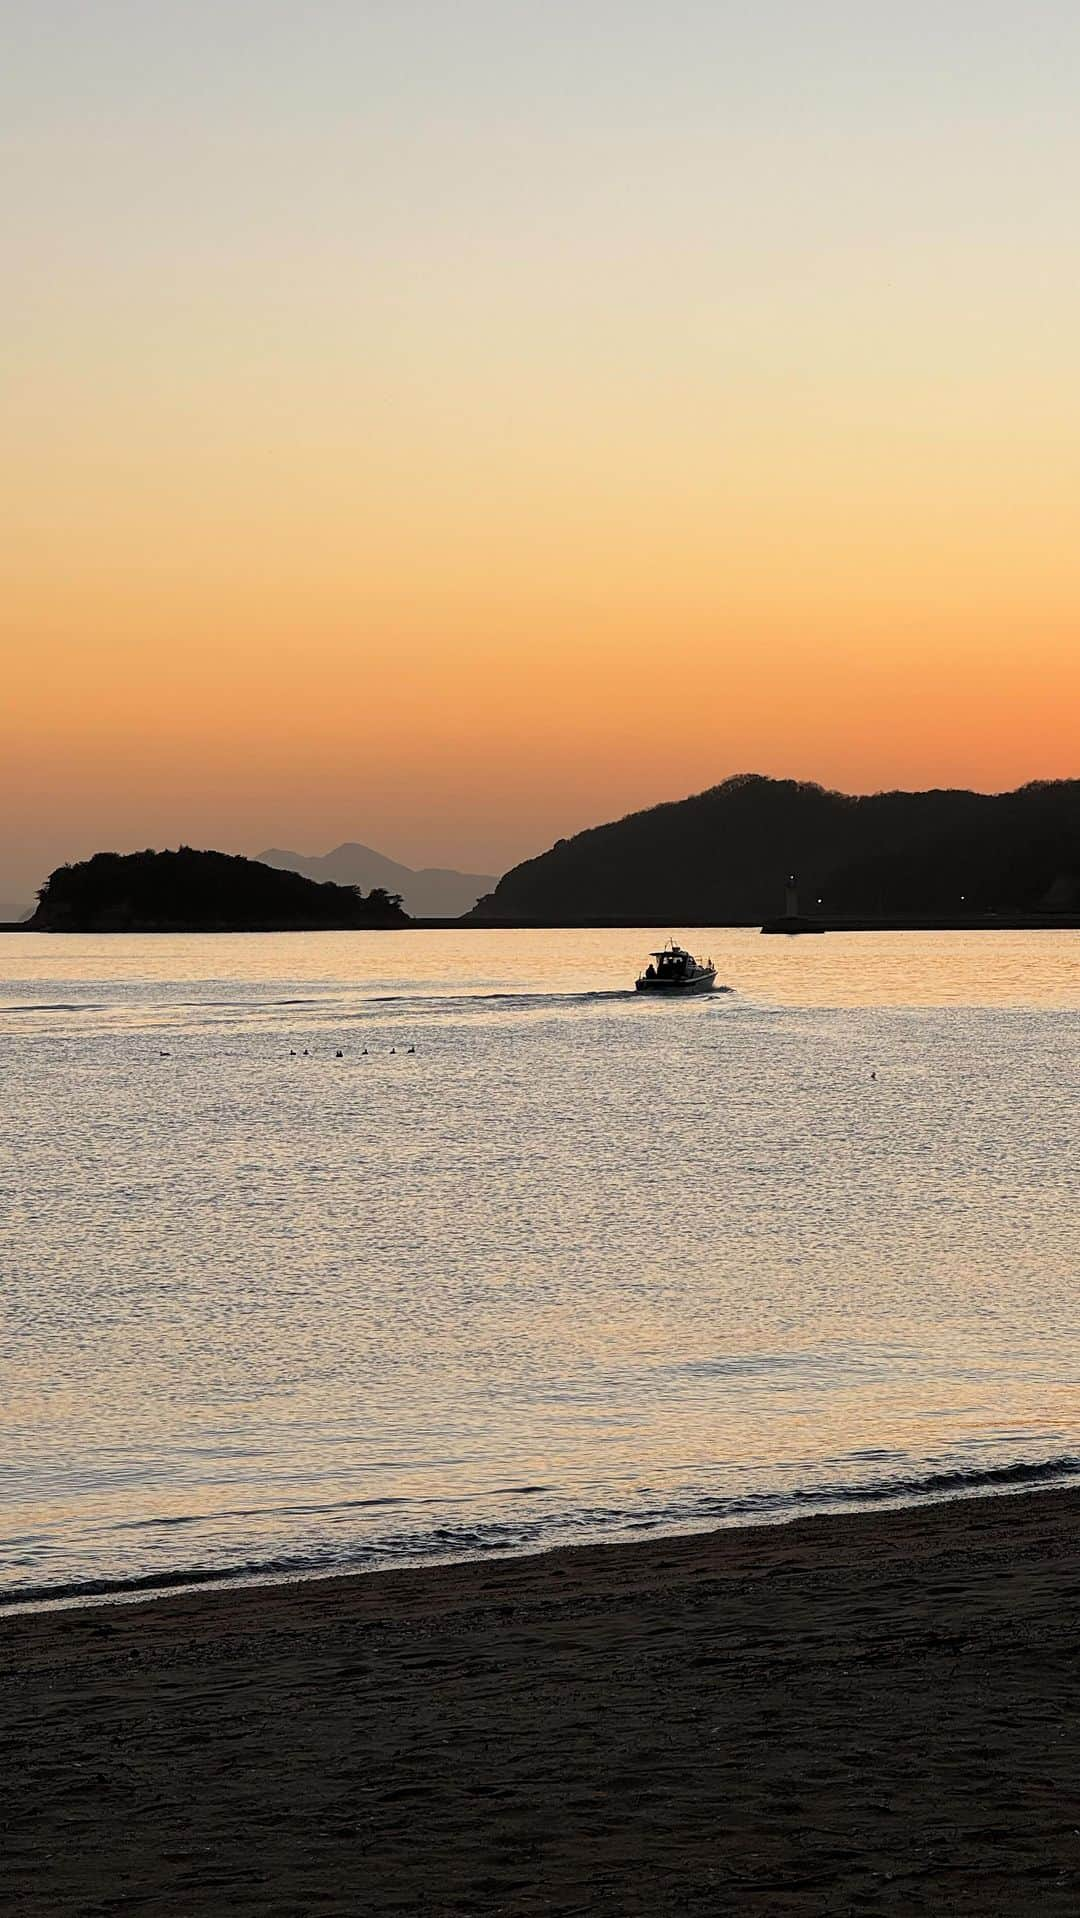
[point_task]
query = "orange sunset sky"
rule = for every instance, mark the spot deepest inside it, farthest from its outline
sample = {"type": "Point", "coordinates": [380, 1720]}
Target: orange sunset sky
{"type": "Point", "coordinates": [449, 426]}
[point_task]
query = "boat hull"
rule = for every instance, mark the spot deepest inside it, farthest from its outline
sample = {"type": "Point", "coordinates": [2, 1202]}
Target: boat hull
{"type": "Point", "coordinates": [678, 988]}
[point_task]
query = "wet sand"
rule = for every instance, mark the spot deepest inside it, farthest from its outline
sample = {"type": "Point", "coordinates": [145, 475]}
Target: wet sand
{"type": "Point", "coordinates": [877, 1713]}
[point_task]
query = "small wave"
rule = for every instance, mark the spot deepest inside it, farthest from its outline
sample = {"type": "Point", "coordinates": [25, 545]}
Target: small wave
{"type": "Point", "coordinates": [80, 1589]}
{"type": "Point", "coordinates": [986, 1478]}
{"type": "Point", "coordinates": [243, 1003]}
{"type": "Point", "coordinates": [58, 1005]}
{"type": "Point", "coordinates": [308, 1508]}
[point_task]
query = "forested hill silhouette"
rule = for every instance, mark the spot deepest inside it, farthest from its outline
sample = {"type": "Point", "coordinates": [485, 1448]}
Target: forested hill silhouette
{"type": "Point", "coordinates": [189, 891]}
{"type": "Point", "coordinates": [722, 855]}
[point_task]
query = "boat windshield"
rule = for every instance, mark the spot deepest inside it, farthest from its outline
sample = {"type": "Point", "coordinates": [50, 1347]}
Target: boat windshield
{"type": "Point", "coordinates": [671, 964]}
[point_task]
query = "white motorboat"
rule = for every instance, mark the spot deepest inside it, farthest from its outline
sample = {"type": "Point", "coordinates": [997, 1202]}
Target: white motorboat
{"type": "Point", "coordinates": [675, 970]}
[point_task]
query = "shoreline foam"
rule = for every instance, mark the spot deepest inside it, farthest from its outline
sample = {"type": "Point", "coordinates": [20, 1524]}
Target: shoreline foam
{"type": "Point", "coordinates": [489, 1543]}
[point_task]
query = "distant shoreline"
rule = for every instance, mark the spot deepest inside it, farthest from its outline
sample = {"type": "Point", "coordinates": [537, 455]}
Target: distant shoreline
{"type": "Point", "coordinates": [930, 922]}
{"type": "Point", "coordinates": [109, 932]}
{"type": "Point", "coordinates": [1001, 922]}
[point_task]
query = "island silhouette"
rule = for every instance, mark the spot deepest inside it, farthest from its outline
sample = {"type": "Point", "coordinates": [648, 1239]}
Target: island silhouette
{"type": "Point", "coordinates": [721, 857]}
{"type": "Point", "coordinates": [726, 856]}
{"type": "Point", "coordinates": [192, 891]}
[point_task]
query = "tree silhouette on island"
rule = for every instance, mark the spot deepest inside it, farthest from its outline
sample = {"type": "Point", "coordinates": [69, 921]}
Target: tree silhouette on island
{"type": "Point", "coordinates": [721, 857]}
{"type": "Point", "coordinates": [190, 891]}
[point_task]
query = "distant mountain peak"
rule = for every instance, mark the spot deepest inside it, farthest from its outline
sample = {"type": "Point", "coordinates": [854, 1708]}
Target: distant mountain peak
{"type": "Point", "coordinates": [432, 892]}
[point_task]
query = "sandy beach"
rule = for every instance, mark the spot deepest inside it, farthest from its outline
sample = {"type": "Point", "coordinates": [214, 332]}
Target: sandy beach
{"type": "Point", "coordinates": [875, 1713]}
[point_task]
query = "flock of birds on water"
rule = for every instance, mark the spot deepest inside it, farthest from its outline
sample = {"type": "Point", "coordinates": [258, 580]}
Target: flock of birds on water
{"type": "Point", "coordinates": [306, 1054]}
{"type": "Point", "coordinates": [340, 1055]}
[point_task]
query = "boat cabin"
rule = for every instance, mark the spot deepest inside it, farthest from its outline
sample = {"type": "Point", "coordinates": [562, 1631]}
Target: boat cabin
{"type": "Point", "coordinates": [671, 963]}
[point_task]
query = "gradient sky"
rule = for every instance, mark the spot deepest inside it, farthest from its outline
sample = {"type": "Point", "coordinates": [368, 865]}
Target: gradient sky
{"type": "Point", "coordinates": [452, 424]}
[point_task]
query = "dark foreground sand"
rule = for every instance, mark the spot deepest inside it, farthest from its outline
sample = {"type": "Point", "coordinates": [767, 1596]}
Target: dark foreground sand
{"type": "Point", "coordinates": [870, 1714]}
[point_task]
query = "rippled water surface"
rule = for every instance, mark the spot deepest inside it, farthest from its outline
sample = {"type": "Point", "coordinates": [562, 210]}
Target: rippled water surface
{"type": "Point", "coordinates": [580, 1265]}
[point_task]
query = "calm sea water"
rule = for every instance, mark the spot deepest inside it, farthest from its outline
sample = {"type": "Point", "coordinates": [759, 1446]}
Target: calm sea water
{"type": "Point", "coordinates": [579, 1266]}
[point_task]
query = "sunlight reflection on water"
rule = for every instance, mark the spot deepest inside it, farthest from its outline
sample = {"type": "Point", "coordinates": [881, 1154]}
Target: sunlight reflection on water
{"type": "Point", "coordinates": [577, 1264]}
